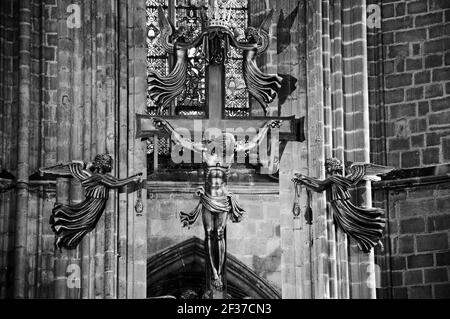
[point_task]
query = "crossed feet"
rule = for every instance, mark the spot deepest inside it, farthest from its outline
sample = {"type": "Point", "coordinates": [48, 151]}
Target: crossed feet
{"type": "Point", "coordinates": [217, 281]}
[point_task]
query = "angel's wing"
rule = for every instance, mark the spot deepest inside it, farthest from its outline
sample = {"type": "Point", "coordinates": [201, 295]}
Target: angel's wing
{"type": "Point", "coordinates": [74, 168]}
{"type": "Point", "coordinates": [367, 171]}
{"type": "Point", "coordinates": [265, 24]}
{"type": "Point", "coordinates": [166, 31]}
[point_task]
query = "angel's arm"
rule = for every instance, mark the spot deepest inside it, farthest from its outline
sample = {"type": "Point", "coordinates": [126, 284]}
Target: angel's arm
{"type": "Point", "coordinates": [258, 138]}
{"type": "Point", "coordinates": [312, 183]}
{"type": "Point", "coordinates": [114, 182]}
{"type": "Point", "coordinates": [184, 142]}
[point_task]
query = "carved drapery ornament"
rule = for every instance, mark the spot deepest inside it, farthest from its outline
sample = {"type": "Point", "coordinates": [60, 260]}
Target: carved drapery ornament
{"type": "Point", "coordinates": [71, 223]}
{"type": "Point", "coordinates": [218, 34]}
{"type": "Point", "coordinates": [364, 224]}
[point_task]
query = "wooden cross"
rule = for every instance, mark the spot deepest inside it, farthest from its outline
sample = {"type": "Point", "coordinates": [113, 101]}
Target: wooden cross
{"type": "Point", "coordinates": [290, 130]}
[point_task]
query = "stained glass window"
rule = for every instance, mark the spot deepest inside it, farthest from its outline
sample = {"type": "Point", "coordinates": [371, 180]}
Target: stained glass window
{"type": "Point", "coordinates": [236, 97]}
{"type": "Point", "coordinates": [186, 18]}
{"type": "Point", "coordinates": [157, 58]}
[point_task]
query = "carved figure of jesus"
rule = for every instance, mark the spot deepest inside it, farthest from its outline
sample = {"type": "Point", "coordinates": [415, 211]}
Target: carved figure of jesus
{"type": "Point", "coordinates": [216, 203]}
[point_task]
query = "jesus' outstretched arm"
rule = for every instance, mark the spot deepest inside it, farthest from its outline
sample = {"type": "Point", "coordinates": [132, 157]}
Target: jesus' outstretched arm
{"type": "Point", "coordinates": [184, 142]}
{"type": "Point", "coordinates": [257, 139]}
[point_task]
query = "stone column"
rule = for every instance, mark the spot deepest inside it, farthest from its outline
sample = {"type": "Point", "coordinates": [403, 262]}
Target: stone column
{"type": "Point", "coordinates": [101, 86]}
{"type": "Point", "coordinates": [338, 126]}
{"type": "Point", "coordinates": [137, 152]}
{"type": "Point", "coordinates": [294, 231]}
{"type": "Point", "coordinates": [357, 139]}
{"type": "Point", "coordinates": [23, 149]}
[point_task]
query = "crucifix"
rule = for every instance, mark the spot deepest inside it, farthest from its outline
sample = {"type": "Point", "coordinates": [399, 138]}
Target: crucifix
{"type": "Point", "coordinates": [216, 204]}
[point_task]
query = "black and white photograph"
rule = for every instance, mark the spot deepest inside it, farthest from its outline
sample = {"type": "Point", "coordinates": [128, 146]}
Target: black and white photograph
{"type": "Point", "coordinates": [246, 151]}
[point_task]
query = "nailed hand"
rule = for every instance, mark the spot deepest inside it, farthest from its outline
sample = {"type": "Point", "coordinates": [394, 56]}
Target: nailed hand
{"type": "Point", "coordinates": [158, 122]}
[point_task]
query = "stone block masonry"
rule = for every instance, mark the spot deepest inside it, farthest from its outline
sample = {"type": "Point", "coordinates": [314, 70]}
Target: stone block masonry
{"type": "Point", "coordinates": [413, 46]}
{"type": "Point", "coordinates": [419, 224]}
{"type": "Point", "coordinates": [65, 101]}
{"type": "Point", "coordinates": [256, 241]}
{"type": "Point", "coordinates": [409, 65]}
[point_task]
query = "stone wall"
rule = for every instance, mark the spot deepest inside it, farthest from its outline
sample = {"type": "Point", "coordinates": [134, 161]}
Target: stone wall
{"type": "Point", "coordinates": [9, 64]}
{"type": "Point", "coordinates": [73, 72]}
{"type": "Point", "coordinates": [409, 78]}
{"type": "Point", "coordinates": [410, 61]}
{"type": "Point", "coordinates": [419, 229]}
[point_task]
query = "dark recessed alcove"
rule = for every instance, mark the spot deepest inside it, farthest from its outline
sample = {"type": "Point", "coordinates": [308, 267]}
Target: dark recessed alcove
{"type": "Point", "coordinates": [181, 267]}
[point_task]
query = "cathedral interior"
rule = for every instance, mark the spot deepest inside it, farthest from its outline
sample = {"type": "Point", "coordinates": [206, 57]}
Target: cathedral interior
{"type": "Point", "coordinates": [113, 183]}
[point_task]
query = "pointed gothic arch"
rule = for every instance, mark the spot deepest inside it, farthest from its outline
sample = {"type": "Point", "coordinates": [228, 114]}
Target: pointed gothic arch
{"type": "Point", "coordinates": [181, 267]}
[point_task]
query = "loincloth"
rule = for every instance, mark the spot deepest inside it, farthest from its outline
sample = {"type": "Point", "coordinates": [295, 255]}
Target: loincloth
{"type": "Point", "coordinates": [226, 204]}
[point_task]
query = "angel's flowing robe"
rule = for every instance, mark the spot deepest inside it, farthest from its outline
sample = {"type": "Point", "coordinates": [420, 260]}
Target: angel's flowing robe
{"type": "Point", "coordinates": [364, 224]}
{"type": "Point", "coordinates": [71, 223]}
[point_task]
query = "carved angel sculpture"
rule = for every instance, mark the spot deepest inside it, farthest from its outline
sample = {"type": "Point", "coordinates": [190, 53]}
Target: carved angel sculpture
{"type": "Point", "coordinates": [364, 224]}
{"type": "Point", "coordinates": [262, 86]}
{"type": "Point", "coordinates": [164, 89]}
{"type": "Point", "coordinates": [71, 223]}
{"type": "Point", "coordinates": [215, 41]}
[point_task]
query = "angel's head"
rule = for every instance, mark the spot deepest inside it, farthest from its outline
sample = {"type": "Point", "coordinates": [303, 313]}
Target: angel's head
{"type": "Point", "coordinates": [333, 165]}
{"type": "Point", "coordinates": [251, 34]}
{"type": "Point", "coordinates": [102, 164]}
